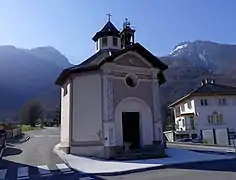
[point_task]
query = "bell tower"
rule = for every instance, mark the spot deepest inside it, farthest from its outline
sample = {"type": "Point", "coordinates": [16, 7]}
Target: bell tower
{"type": "Point", "coordinates": [108, 37]}
{"type": "Point", "coordinates": [127, 35]}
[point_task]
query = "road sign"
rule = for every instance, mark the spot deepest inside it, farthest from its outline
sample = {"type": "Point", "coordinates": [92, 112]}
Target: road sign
{"type": "Point", "coordinates": [232, 134]}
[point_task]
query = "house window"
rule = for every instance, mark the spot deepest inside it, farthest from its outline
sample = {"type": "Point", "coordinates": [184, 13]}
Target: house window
{"type": "Point", "coordinates": [219, 118]}
{"type": "Point", "coordinates": [177, 125]}
{"type": "Point", "coordinates": [192, 124]}
{"type": "Point", "coordinates": [65, 91]}
{"type": "Point", "coordinates": [222, 101]}
{"type": "Point", "coordinates": [115, 41]}
{"type": "Point", "coordinates": [215, 118]}
{"type": "Point", "coordinates": [177, 111]}
{"type": "Point", "coordinates": [204, 102]}
{"type": "Point", "coordinates": [182, 107]}
{"type": "Point", "coordinates": [104, 42]}
{"type": "Point", "coordinates": [189, 105]}
{"type": "Point", "coordinates": [210, 119]}
{"type": "Point", "coordinates": [183, 121]}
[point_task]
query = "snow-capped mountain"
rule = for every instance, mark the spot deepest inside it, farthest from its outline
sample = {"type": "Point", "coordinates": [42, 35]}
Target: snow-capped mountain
{"type": "Point", "coordinates": [191, 62]}
{"type": "Point", "coordinates": [214, 56]}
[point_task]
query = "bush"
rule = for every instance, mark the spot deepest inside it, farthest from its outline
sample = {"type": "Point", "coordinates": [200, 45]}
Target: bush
{"type": "Point", "coordinates": [29, 128]}
{"type": "Point", "coordinates": [30, 112]}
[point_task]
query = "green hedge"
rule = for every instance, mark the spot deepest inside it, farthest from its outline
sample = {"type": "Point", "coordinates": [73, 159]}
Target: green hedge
{"type": "Point", "coordinates": [30, 128]}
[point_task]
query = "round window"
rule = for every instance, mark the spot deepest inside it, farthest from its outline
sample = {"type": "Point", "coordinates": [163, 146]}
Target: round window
{"type": "Point", "coordinates": [131, 80]}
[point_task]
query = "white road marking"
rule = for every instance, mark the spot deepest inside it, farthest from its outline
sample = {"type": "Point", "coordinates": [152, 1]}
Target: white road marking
{"type": "Point", "coordinates": [53, 135]}
{"type": "Point", "coordinates": [38, 136]}
{"type": "Point", "coordinates": [23, 172]}
{"type": "Point", "coordinates": [86, 178]}
{"type": "Point", "coordinates": [64, 168]}
{"type": "Point", "coordinates": [44, 170]}
{"type": "Point", "coordinates": [3, 173]}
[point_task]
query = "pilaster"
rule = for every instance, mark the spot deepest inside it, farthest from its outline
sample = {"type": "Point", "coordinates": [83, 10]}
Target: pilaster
{"type": "Point", "coordinates": [157, 118]}
{"type": "Point", "coordinates": [108, 110]}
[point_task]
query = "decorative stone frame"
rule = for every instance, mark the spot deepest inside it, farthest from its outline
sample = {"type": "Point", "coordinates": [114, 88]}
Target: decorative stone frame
{"type": "Point", "coordinates": [134, 78]}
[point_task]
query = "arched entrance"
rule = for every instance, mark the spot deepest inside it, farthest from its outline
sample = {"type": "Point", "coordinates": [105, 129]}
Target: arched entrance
{"type": "Point", "coordinates": [133, 123]}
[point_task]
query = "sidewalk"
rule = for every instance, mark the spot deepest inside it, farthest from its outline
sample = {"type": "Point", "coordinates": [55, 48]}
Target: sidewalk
{"type": "Point", "coordinates": [102, 167]}
{"type": "Point", "coordinates": [202, 147]}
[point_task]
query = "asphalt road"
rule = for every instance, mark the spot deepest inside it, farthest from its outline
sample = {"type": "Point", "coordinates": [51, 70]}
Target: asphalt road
{"type": "Point", "coordinates": [36, 159]}
{"type": "Point", "coordinates": [218, 170]}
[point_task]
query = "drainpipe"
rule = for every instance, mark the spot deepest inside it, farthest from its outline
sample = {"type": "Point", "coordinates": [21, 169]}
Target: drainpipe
{"type": "Point", "coordinates": [172, 122]}
{"type": "Point", "coordinates": [71, 115]}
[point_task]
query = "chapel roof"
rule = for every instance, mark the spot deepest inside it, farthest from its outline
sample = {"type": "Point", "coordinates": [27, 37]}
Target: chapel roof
{"type": "Point", "coordinates": [208, 89]}
{"type": "Point", "coordinates": [108, 55]}
{"type": "Point", "coordinates": [108, 30]}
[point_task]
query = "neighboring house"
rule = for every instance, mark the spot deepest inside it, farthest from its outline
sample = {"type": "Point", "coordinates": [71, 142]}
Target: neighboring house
{"type": "Point", "coordinates": [111, 100]}
{"type": "Point", "coordinates": [210, 107]}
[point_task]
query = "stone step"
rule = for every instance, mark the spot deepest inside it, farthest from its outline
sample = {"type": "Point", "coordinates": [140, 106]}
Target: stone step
{"type": "Point", "coordinates": [134, 156]}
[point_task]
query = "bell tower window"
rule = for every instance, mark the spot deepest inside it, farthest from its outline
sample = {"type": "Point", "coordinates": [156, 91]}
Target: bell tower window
{"type": "Point", "coordinates": [115, 41]}
{"type": "Point", "coordinates": [104, 42]}
{"type": "Point", "coordinates": [97, 45]}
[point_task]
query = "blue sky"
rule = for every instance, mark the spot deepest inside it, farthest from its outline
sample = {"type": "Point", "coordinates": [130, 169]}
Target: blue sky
{"type": "Point", "coordinates": [69, 25]}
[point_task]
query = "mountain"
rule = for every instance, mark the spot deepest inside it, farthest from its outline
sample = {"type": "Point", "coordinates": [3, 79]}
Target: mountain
{"type": "Point", "coordinates": [28, 74]}
{"type": "Point", "coordinates": [191, 62]}
{"type": "Point", "coordinates": [213, 56]}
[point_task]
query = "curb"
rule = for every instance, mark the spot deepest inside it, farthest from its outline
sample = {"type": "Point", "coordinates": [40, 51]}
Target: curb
{"type": "Point", "coordinates": [26, 139]}
{"type": "Point", "coordinates": [125, 172]}
{"type": "Point", "coordinates": [1, 151]}
{"type": "Point", "coordinates": [55, 150]}
{"type": "Point", "coordinates": [214, 152]}
{"type": "Point", "coordinates": [150, 168]}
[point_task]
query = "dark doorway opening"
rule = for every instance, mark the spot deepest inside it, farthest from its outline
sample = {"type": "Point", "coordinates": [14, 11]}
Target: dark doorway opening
{"type": "Point", "coordinates": [131, 130]}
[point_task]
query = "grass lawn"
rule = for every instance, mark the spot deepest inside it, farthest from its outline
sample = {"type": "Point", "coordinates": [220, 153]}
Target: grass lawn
{"type": "Point", "coordinates": [30, 128]}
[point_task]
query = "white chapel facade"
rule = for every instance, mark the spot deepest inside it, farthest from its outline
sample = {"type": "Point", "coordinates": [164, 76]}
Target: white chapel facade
{"type": "Point", "coordinates": [112, 98]}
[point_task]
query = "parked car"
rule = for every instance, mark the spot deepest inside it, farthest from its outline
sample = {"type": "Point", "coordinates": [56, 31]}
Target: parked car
{"type": "Point", "coordinates": [184, 140]}
{"type": "Point", "coordinates": [197, 140]}
{"type": "Point", "coordinates": [3, 136]}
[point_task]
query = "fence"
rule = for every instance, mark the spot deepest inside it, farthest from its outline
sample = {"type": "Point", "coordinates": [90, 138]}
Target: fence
{"type": "Point", "coordinates": [13, 133]}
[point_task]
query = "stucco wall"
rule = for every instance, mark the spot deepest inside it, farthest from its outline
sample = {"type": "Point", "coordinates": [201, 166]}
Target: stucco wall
{"type": "Point", "coordinates": [65, 114]}
{"type": "Point", "coordinates": [202, 112]}
{"type": "Point", "coordinates": [132, 59]}
{"type": "Point", "coordinates": [96, 151]}
{"type": "Point", "coordinates": [142, 91]}
{"type": "Point", "coordinates": [186, 110]}
{"type": "Point", "coordinates": [87, 111]}
{"type": "Point", "coordinates": [228, 112]}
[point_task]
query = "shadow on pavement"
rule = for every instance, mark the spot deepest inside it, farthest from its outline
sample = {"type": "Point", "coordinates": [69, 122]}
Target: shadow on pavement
{"type": "Point", "coordinates": [219, 165]}
{"type": "Point", "coordinates": [9, 151]}
{"type": "Point", "coordinates": [10, 169]}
